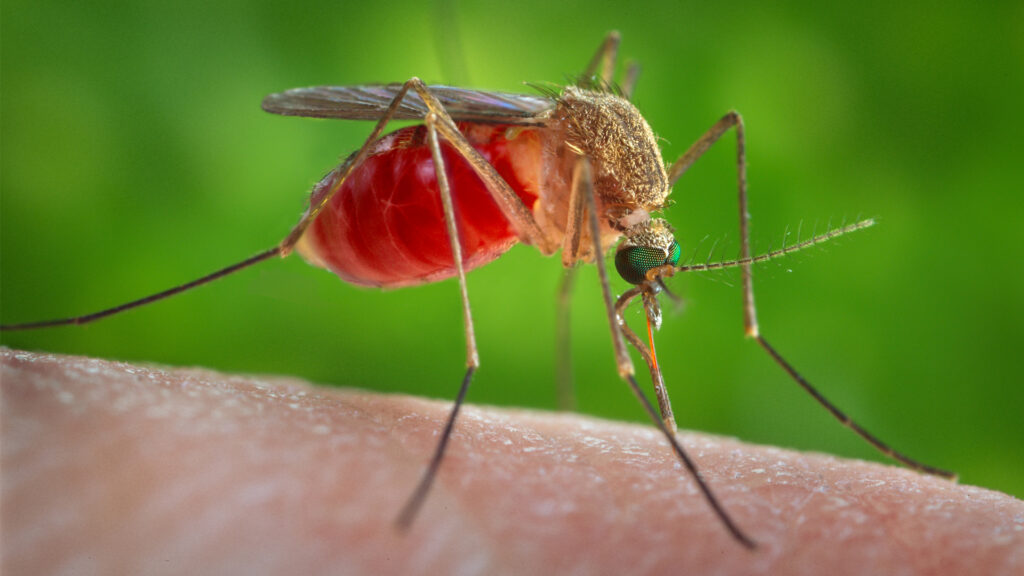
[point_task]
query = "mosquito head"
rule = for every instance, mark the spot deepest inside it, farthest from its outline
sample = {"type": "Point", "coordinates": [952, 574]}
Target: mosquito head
{"type": "Point", "coordinates": [646, 245]}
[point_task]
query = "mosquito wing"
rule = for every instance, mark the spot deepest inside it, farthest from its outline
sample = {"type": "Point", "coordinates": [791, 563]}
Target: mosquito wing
{"type": "Point", "coordinates": [369, 101]}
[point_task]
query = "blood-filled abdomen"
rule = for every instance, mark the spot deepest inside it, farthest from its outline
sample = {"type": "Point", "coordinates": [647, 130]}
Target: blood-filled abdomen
{"type": "Point", "coordinates": [385, 227]}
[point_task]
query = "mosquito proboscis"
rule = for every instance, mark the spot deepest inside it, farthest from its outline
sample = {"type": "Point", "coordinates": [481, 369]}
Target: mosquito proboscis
{"type": "Point", "coordinates": [575, 170]}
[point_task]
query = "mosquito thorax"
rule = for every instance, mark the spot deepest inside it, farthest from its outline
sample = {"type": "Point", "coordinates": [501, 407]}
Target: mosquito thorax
{"type": "Point", "coordinates": [645, 246]}
{"type": "Point", "coordinates": [608, 129]}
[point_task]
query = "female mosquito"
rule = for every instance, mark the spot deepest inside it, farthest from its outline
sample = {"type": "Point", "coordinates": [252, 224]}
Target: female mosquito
{"type": "Point", "coordinates": [574, 170]}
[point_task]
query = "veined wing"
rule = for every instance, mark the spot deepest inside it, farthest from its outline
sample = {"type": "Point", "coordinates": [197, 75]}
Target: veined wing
{"type": "Point", "coordinates": [369, 101]}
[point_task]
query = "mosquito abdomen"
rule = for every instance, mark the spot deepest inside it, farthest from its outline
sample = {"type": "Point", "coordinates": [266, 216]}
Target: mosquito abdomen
{"type": "Point", "coordinates": [385, 227]}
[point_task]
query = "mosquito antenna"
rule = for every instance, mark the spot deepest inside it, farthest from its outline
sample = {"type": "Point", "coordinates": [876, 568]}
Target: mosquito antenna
{"type": "Point", "coordinates": [267, 254]}
{"type": "Point", "coordinates": [784, 251]}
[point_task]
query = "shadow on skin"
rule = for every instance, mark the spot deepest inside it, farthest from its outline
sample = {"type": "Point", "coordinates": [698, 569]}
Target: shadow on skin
{"type": "Point", "coordinates": [113, 468]}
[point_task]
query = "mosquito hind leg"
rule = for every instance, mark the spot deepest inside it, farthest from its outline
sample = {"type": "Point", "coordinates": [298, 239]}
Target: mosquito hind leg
{"type": "Point", "coordinates": [734, 120]}
{"type": "Point", "coordinates": [415, 502]}
{"type": "Point", "coordinates": [86, 318]}
{"type": "Point", "coordinates": [601, 70]}
{"type": "Point", "coordinates": [571, 251]}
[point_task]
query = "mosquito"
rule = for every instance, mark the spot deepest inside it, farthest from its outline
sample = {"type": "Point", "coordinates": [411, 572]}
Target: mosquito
{"type": "Point", "coordinates": [575, 169]}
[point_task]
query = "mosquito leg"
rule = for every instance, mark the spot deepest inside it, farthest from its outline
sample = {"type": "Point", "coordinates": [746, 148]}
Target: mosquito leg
{"type": "Point", "coordinates": [418, 496]}
{"type": "Point", "coordinates": [582, 177]}
{"type": "Point", "coordinates": [472, 357]}
{"type": "Point", "coordinates": [265, 255]}
{"type": "Point", "coordinates": [625, 365]}
{"type": "Point", "coordinates": [563, 343]}
{"type": "Point", "coordinates": [602, 63]}
{"type": "Point", "coordinates": [581, 186]}
{"type": "Point", "coordinates": [731, 120]}
{"type": "Point", "coordinates": [582, 197]}
{"type": "Point", "coordinates": [572, 239]}
{"type": "Point", "coordinates": [698, 148]}
{"type": "Point", "coordinates": [846, 421]}
{"type": "Point", "coordinates": [629, 82]}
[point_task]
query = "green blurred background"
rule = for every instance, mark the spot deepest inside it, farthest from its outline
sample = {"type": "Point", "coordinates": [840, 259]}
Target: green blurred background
{"type": "Point", "coordinates": [135, 157]}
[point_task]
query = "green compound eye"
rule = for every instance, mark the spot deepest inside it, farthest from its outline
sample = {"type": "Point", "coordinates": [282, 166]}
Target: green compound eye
{"type": "Point", "coordinates": [633, 262]}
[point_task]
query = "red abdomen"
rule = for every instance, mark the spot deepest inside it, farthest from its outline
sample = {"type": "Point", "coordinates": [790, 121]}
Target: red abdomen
{"type": "Point", "coordinates": [385, 227]}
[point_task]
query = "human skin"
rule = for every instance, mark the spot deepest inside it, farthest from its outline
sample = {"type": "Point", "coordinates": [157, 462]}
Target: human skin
{"type": "Point", "coordinates": [112, 468]}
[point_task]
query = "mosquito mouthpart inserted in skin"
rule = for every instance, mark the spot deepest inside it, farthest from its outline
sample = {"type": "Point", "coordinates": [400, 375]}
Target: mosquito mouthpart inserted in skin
{"type": "Point", "coordinates": [575, 170]}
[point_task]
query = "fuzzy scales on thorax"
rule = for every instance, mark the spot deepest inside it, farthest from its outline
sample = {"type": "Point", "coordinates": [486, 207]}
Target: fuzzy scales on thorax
{"type": "Point", "coordinates": [629, 173]}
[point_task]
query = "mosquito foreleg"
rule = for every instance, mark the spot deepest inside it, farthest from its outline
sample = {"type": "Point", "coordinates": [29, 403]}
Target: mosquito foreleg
{"type": "Point", "coordinates": [625, 365]}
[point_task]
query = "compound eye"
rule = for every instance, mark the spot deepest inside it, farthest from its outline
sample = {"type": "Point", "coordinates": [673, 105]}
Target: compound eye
{"type": "Point", "coordinates": [633, 262]}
